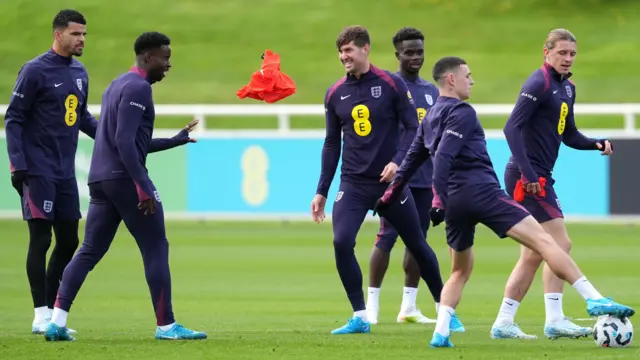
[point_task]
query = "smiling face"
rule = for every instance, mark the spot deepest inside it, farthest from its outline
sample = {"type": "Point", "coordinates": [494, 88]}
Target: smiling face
{"type": "Point", "coordinates": [353, 57]}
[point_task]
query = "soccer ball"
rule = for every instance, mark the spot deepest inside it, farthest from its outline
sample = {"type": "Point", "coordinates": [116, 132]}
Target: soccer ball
{"type": "Point", "coordinates": [611, 331]}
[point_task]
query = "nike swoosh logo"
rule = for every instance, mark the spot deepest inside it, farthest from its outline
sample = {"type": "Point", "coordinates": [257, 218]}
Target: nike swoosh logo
{"type": "Point", "coordinates": [404, 201]}
{"type": "Point", "coordinates": [169, 337]}
{"type": "Point", "coordinates": [553, 298]}
{"type": "Point", "coordinates": [344, 97]}
{"type": "Point", "coordinates": [555, 91]}
{"type": "Point", "coordinates": [56, 85]}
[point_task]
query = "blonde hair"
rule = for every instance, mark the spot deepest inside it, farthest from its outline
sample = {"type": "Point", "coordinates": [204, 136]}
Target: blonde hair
{"type": "Point", "coordinates": [558, 35]}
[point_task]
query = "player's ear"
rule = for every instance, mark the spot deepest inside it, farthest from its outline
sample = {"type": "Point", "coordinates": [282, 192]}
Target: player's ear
{"type": "Point", "coordinates": [397, 55]}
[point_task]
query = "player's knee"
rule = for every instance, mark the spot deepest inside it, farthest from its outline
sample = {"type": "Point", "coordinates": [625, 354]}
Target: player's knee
{"type": "Point", "coordinates": [39, 235]}
{"type": "Point", "coordinates": [385, 244]}
{"type": "Point", "coordinates": [564, 242]}
{"type": "Point", "coordinates": [343, 242]}
{"type": "Point", "coordinates": [530, 259]}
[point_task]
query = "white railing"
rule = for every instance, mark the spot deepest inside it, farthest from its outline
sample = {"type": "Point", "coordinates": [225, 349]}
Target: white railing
{"type": "Point", "coordinates": [284, 112]}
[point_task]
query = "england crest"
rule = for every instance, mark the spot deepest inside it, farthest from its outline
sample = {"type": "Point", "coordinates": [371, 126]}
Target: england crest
{"type": "Point", "coordinates": [569, 93]}
{"type": "Point", "coordinates": [339, 195]}
{"type": "Point", "coordinates": [376, 91]}
{"type": "Point", "coordinates": [429, 99]}
{"type": "Point", "coordinates": [47, 206]}
{"type": "Point", "coordinates": [79, 83]}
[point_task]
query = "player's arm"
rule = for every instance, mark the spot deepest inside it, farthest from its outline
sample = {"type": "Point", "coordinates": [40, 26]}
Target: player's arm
{"type": "Point", "coordinates": [22, 100]}
{"type": "Point", "coordinates": [573, 138]}
{"type": "Point", "coordinates": [530, 96]}
{"type": "Point", "coordinates": [133, 103]}
{"type": "Point", "coordinates": [406, 111]}
{"type": "Point", "coordinates": [415, 157]}
{"type": "Point", "coordinates": [88, 123]}
{"type": "Point", "coordinates": [330, 149]}
{"type": "Point", "coordinates": [181, 138]}
{"type": "Point", "coordinates": [455, 133]}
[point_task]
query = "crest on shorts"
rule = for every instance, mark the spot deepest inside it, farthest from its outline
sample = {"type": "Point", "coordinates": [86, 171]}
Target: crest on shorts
{"type": "Point", "coordinates": [156, 195]}
{"type": "Point", "coordinates": [429, 99]}
{"type": "Point", "coordinates": [339, 196]}
{"type": "Point", "coordinates": [376, 91]}
{"type": "Point", "coordinates": [568, 88]}
{"type": "Point", "coordinates": [47, 206]}
{"type": "Point", "coordinates": [79, 83]}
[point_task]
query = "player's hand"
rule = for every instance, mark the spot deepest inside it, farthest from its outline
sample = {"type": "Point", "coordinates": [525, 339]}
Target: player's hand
{"type": "Point", "coordinates": [389, 172]}
{"type": "Point", "coordinates": [605, 146]}
{"type": "Point", "coordinates": [317, 208]}
{"type": "Point", "coordinates": [379, 206]}
{"type": "Point", "coordinates": [436, 215]}
{"type": "Point", "coordinates": [183, 135]}
{"type": "Point", "coordinates": [149, 206]}
{"type": "Point", "coordinates": [533, 188]}
{"type": "Point", "coordinates": [18, 178]}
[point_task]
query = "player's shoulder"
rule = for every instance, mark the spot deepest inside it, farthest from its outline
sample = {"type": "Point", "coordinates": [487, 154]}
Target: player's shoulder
{"type": "Point", "coordinates": [133, 84]}
{"type": "Point", "coordinates": [461, 112]}
{"type": "Point", "coordinates": [428, 85]}
{"type": "Point", "coordinates": [333, 88]}
{"type": "Point", "coordinates": [463, 108]}
{"type": "Point", "coordinates": [538, 81]}
{"type": "Point", "coordinates": [390, 79]}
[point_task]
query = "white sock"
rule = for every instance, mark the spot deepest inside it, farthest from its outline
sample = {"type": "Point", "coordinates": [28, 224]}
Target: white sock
{"type": "Point", "coordinates": [444, 319]}
{"type": "Point", "coordinates": [41, 314]}
{"type": "Point", "coordinates": [437, 308]}
{"type": "Point", "coordinates": [409, 298]}
{"type": "Point", "coordinates": [166, 327]}
{"type": "Point", "coordinates": [507, 312]}
{"type": "Point", "coordinates": [362, 314]}
{"type": "Point", "coordinates": [373, 298]}
{"type": "Point", "coordinates": [59, 317]}
{"type": "Point", "coordinates": [553, 307]}
{"type": "Point", "coordinates": [586, 290]}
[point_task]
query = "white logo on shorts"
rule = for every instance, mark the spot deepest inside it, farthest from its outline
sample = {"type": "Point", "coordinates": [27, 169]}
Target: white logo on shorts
{"type": "Point", "coordinates": [558, 203]}
{"type": "Point", "coordinates": [339, 196]}
{"type": "Point", "coordinates": [404, 201]}
{"type": "Point", "coordinates": [47, 206]}
{"type": "Point", "coordinates": [156, 195]}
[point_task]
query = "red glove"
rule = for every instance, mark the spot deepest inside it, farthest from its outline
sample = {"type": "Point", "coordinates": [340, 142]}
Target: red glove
{"type": "Point", "coordinates": [268, 84]}
{"type": "Point", "coordinates": [518, 192]}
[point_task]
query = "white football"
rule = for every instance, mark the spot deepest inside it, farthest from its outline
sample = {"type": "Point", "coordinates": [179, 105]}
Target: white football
{"type": "Point", "coordinates": [611, 331]}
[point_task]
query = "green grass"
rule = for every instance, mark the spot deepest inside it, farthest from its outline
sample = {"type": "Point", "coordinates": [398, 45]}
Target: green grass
{"type": "Point", "coordinates": [270, 290]}
{"type": "Point", "coordinates": [217, 45]}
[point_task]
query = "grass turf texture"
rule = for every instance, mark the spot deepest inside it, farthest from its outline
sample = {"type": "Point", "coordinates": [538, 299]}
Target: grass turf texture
{"type": "Point", "coordinates": [270, 290]}
{"type": "Point", "coordinates": [217, 45]}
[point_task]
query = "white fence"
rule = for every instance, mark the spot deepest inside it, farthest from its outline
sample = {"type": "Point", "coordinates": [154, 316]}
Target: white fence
{"type": "Point", "coordinates": [284, 112]}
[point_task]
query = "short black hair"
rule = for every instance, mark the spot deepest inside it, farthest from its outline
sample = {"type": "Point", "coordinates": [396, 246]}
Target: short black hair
{"type": "Point", "coordinates": [149, 41]}
{"type": "Point", "coordinates": [64, 17]}
{"type": "Point", "coordinates": [407, 33]}
{"type": "Point", "coordinates": [446, 64]}
{"type": "Point", "coordinates": [356, 33]}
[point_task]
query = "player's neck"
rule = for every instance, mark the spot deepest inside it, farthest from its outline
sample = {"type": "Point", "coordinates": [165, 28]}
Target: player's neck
{"type": "Point", "coordinates": [409, 75]}
{"type": "Point", "coordinates": [58, 50]}
{"type": "Point", "coordinates": [449, 93]}
{"type": "Point", "coordinates": [365, 69]}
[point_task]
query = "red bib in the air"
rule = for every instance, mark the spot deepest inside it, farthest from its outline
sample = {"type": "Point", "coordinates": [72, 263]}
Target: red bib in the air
{"type": "Point", "coordinates": [269, 83]}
